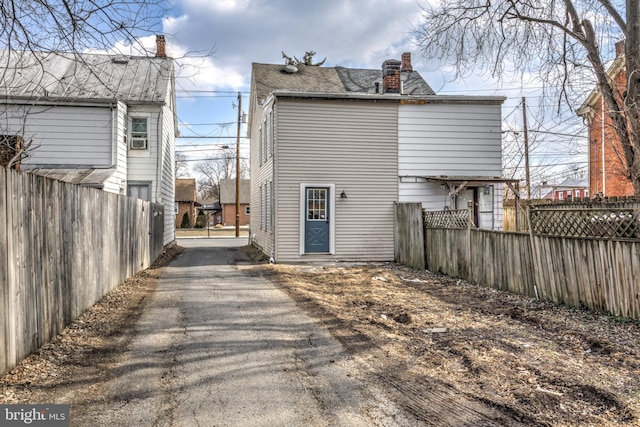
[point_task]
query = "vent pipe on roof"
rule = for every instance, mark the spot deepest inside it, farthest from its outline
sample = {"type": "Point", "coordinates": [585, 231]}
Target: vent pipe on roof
{"type": "Point", "coordinates": [290, 69]}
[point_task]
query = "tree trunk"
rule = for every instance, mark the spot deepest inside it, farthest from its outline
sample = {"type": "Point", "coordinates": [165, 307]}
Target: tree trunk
{"type": "Point", "coordinates": [632, 98]}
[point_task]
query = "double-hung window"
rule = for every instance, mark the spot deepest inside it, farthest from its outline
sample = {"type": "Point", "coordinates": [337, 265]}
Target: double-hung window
{"type": "Point", "coordinates": [139, 133]}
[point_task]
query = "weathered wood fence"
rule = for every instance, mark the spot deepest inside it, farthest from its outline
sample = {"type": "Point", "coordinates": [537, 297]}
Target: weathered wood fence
{"type": "Point", "coordinates": [598, 272]}
{"type": "Point", "coordinates": [62, 247]}
{"type": "Point", "coordinates": [409, 235]}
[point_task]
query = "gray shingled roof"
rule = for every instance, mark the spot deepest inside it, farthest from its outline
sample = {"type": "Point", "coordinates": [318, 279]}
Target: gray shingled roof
{"type": "Point", "coordinates": [228, 191]}
{"type": "Point", "coordinates": [185, 190]}
{"type": "Point", "coordinates": [364, 81]}
{"type": "Point", "coordinates": [267, 78]}
{"type": "Point", "coordinates": [84, 76]}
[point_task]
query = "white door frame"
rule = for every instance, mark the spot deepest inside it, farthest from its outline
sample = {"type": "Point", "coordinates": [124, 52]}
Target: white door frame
{"type": "Point", "coordinates": [332, 214]}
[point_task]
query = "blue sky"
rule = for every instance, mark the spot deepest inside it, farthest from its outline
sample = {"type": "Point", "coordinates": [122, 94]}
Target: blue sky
{"type": "Point", "coordinates": [350, 33]}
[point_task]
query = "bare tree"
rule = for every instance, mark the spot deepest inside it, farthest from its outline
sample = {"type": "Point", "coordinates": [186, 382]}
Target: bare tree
{"type": "Point", "coordinates": [32, 32]}
{"type": "Point", "coordinates": [565, 43]}
{"type": "Point", "coordinates": [221, 166]}
{"type": "Point", "coordinates": [181, 166]}
{"type": "Point", "coordinates": [75, 25]}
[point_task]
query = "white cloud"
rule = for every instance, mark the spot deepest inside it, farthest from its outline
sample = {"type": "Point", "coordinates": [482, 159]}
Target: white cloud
{"type": "Point", "coordinates": [346, 32]}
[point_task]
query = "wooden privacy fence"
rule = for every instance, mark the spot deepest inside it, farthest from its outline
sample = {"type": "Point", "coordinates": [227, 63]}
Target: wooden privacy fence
{"type": "Point", "coordinates": [409, 235]}
{"type": "Point", "coordinates": [579, 257]}
{"type": "Point", "coordinates": [62, 247]}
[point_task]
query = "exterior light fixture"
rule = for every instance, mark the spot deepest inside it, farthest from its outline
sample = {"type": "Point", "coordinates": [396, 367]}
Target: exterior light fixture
{"type": "Point", "coordinates": [343, 195]}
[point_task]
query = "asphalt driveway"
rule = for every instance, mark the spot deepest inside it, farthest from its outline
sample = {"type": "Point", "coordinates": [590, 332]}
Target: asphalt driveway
{"type": "Point", "coordinates": [218, 347]}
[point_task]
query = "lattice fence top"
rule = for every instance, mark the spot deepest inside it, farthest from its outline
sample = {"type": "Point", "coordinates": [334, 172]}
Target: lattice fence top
{"type": "Point", "coordinates": [447, 219]}
{"type": "Point", "coordinates": [604, 223]}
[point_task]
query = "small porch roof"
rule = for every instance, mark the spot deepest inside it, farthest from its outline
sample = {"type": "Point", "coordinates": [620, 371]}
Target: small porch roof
{"type": "Point", "coordinates": [84, 176]}
{"type": "Point", "coordinates": [456, 183]}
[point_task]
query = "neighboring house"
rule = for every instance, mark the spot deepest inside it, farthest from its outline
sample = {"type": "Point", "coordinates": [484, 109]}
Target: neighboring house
{"type": "Point", "coordinates": [607, 166]}
{"type": "Point", "coordinates": [570, 188]}
{"type": "Point", "coordinates": [105, 121]}
{"type": "Point", "coordinates": [228, 201]}
{"type": "Point", "coordinates": [186, 201]}
{"type": "Point", "coordinates": [332, 150]}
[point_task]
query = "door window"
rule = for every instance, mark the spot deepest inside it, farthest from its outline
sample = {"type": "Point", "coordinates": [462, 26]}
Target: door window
{"type": "Point", "coordinates": [316, 204]}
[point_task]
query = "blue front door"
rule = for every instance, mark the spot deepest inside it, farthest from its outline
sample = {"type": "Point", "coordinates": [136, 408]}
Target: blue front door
{"type": "Point", "coordinates": [316, 226]}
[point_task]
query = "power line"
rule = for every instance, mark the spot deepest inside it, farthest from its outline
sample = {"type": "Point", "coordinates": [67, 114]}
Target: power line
{"type": "Point", "coordinates": [211, 137]}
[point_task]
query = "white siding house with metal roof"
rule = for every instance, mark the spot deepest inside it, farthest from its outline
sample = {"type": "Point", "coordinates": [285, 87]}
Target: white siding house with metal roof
{"type": "Point", "coordinates": [97, 120]}
{"type": "Point", "coordinates": [333, 149]}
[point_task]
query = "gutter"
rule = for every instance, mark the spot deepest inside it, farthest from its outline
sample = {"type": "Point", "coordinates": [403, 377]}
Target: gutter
{"type": "Point", "coordinates": [403, 99]}
{"type": "Point", "coordinates": [75, 102]}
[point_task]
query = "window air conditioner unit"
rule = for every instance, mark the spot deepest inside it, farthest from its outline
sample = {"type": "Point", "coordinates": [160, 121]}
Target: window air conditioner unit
{"type": "Point", "coordinates": [138, 143]}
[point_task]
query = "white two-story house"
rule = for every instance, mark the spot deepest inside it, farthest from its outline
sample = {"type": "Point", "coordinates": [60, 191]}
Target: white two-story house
{"type": "Point", "coordinates": [106, 121]}
{"type": "Point", "coordinates": [333, 148]}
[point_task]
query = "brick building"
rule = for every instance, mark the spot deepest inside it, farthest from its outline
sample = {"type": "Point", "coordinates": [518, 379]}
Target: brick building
{"type": "Point", "coordinates": [186, 201]}
{"type": "Point", "coordinates": [228, 201]}
{"type": "Point", "coordinates": [607, 169]}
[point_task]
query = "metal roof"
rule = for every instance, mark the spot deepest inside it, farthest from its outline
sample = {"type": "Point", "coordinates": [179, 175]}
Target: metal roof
{"type": "Point", "coordinates": [88, 77]}
{"type": "Point", "coordinates": [86, 176]}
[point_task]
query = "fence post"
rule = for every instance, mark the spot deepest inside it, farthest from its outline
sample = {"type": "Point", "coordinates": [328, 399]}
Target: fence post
{"type": "Point", "coordinates": [537, 270]}
{"type": "Point", "coordinates": [469, 226]}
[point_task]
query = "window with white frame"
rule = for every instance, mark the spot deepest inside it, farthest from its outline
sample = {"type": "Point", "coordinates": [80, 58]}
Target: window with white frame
{"type": "Point", "coordinates": [260, 141]}
{"type": "Point", "coordinates": [264, 142]}
{"type": "Point", "coordinates": [139, 190]}
{"type": "Point", "coordinates": [139, 133]}
{"type": "Point", "coordinates": [261, 207]}
{"type": "Point", "coordinates": [268, 209]}
{"type": "Point", "coordinates": [271, 203]}
{"type": "Point", "coordinates": [270, 135]}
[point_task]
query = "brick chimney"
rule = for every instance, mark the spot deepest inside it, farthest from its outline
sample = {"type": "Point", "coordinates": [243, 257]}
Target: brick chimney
{"type": "Point", "coordinates": [620, 48]}
{"type": "Point", "coordinates": [406, 62]}
{"type": "Point", "coordinates": [391, 76]}
{"type": "Point", "coordinates": [161, 47]}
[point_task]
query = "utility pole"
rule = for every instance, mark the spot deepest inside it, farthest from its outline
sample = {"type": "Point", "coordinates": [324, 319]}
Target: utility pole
{"type": "Point", "coordinates": [526, 146]}
{"type": "Point", "coordinates": [238, 166]}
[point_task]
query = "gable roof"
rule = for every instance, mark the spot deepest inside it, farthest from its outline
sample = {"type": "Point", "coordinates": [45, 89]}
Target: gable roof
{"type": "Point", "coordinates": [267, 78]}
{"type": "Point", "coordinates": [91, 77]}
{"type": "Point", "coordinates": [185, 190]}
{"type": "Point", "coordinates": [228, 191]}
{"type": "Point", "coordinates": [573, 183]}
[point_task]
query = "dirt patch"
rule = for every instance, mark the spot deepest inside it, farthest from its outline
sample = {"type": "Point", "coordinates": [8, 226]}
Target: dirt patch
{"type": "Point", "coordinates": [78, 361]}
{"type": "Point", "coordinates": [534, 362]}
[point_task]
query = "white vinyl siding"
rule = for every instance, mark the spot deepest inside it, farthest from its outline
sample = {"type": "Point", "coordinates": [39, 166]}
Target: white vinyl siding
{"type": "Point", "coordinates": [352, 145]}
{"type": "Point", "coordinates": [143, 164]}
{"type": "Point", "coordinates": [166, 164]}
{"type": "Point", "coordinates": [156, 165]}
{"type": "Point", "coordinates": [450, 140]}
{"type": "Point", "coordinates": [61, 136]}
{"type": "Point", "coordinates": [261, 174]}
{"type": "Point", "coordinates": [117, 183]}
